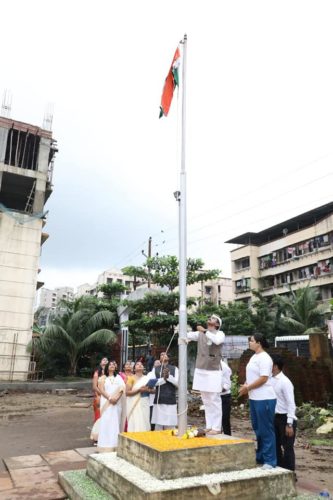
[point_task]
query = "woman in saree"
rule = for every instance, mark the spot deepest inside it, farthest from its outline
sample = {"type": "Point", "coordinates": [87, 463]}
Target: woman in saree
{"type": "Point", "coordinates": [137, 400]}
{"type": "Point", "coordinates": [97, 377]}
{"type": "Point", "coordinates": [97, 380]}
{"type": "Point", "coordinates": [111, 422]}
{"type": "Point", "coordinates": [127, 371]}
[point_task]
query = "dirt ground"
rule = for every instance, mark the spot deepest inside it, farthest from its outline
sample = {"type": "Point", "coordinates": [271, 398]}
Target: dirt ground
{"type": "Point", "coordinates": [37, 423]}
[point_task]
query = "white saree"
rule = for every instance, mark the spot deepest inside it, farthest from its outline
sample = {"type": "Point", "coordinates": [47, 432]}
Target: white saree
{"type": "Point", "coordinates": [111, 421]}
{"type": "Point", "coordinates": [138, 409]}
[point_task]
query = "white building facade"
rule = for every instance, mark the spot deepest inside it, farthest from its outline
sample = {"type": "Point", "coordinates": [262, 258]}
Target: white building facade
{"type": "Point", "coordinates": [26, 165]}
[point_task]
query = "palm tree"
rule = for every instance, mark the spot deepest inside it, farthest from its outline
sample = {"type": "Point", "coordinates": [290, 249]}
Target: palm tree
{"type": "Point", "coordinates": [300, 312]}
{"type": "Point", "coordinates": [77, 329]}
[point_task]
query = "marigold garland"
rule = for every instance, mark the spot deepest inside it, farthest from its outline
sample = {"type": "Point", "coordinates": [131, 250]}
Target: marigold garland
{"type": "Point", "coordinates": [165, 441]}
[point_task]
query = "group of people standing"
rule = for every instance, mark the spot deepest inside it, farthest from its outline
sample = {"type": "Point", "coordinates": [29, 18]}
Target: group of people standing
{"type": "Point", "coordinates": [132, 401]}
{"type": "Point", "coordinates": [136, 402]}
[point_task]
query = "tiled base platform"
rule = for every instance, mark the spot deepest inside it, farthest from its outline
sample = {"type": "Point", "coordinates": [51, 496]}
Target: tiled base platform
{"type": "Point", "coordinates": [123, 479]}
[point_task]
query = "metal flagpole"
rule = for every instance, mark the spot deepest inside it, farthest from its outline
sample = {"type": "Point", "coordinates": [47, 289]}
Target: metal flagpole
{"type": "Point", "coordinates": [182, 342]}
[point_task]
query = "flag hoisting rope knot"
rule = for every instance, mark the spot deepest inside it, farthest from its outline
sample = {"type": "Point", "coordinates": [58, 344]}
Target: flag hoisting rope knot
{"type": "Point", "coordinates": [171, 82]}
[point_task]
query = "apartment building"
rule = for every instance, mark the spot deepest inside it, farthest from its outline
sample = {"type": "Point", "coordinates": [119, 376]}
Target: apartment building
{"type": "Point", "coordinates": [26, 167]}
{"type": "Point", "coordinates": [292, 254]}
{"type": "Point", "coordinates": [217, 291]}
{"type": "Point", "coordinates": [105, 278]}
{"type": "Point", "coordinates": [49, 299]}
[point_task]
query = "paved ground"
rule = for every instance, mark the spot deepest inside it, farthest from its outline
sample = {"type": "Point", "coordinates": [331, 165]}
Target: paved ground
{"type": "Point", "coordinates": [40, 426]}
{"type": "Point", "coordinates": [36, 476]}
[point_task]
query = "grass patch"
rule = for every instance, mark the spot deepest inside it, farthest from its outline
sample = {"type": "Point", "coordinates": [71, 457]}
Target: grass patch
{"type": "Point", "coordinates": [321, 442]}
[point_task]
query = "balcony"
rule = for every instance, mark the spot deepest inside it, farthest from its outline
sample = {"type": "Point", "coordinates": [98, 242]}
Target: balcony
{"type": "Point", "coordinates": [316, 281]}
{"type": "Point", "coordinates": [310, 258]}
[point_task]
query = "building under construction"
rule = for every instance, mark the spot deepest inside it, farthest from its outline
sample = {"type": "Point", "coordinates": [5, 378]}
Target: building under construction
{"type": "Point", "coordinates": [26, 166]}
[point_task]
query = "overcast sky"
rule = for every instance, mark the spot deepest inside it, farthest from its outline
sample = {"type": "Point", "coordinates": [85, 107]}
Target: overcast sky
{"type": "Point", "coordinates": [259, 121]}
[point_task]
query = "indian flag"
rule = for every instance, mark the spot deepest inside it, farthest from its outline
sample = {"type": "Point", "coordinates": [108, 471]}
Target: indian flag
{"type": "Point", "coordinates": [171, 82]}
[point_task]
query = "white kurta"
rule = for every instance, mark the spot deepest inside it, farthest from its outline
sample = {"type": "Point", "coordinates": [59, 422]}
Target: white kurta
{"type": "Point", "coordinates": [207, 380]}
{"type": "Point", "coordinates": [110, 421]}
{"type": "Point", "coordinates": [165, 415]}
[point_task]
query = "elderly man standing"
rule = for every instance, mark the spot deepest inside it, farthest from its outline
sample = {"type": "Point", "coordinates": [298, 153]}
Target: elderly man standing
{"type": "Point", "coordinates": [207, 373]}
{"type": "Point", "coordinates": [165, 406]}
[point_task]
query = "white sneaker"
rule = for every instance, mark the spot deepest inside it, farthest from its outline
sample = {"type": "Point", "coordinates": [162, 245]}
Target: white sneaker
{"type": "Point", "coordinates": [267, 467]}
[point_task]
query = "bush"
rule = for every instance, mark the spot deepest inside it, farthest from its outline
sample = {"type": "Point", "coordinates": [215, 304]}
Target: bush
{"type": "Point", "coordinates": [312, 417]}
{"type": "Point", "coordinates": [234, 387]}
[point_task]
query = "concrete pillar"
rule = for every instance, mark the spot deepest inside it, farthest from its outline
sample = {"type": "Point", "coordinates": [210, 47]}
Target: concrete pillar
{"type": "Point", "coordinates": [3, 143]}
{"type": "Point", "coordinates": [39, 198]}
{"type": "Point", "coordinates": [318, 345]}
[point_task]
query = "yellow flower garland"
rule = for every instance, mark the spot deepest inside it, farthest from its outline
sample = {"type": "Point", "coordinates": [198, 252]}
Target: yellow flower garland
{"type": "Point", "coordinates": [165, 441]}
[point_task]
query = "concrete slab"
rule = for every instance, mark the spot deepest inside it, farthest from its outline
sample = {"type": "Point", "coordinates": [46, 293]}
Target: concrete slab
{"type": "Point", "coordinates": [32, 476]}
{"type": "Point", "coordinates": [81, 405]}
{"type": "Point", "coordinates": [124, 480]}
{"type": "Point", "coordinates": [47, 491]}
{"type": "Point", "coordinates": [68, 466]}
{"type": "Point", "coordinates": [157, 453]}
{"type": "Point", "coordinates": [58, 457]}
{"type": "Point", "coordinates": [5, 481]}
{"type": "Point", "coordinates": [85, 452]}
{"type": "Point", "coordinates": [64, 391]}
{"type": "Point", "coordinates": [24, 461]}
{"type": "Point", "coordinates": [79, 486]}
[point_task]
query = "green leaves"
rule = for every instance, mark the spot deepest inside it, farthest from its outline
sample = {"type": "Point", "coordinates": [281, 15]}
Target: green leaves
{"type": "Point", "coordinates": [300, 311]}
{"type": "Point", "coordinates": [78, 328]}
{"type": "Point", "coordinates": [165, 271]}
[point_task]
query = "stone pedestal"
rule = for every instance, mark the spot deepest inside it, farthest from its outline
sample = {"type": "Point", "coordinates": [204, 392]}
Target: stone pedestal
{"type": "Point", "coordinates": [218, 454]}
{"type": "Point", "coordinates": [156, 466]}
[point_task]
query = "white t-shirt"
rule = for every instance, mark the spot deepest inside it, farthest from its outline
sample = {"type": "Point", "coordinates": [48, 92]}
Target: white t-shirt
{"type": "Point", "coordinates": [260, 364]}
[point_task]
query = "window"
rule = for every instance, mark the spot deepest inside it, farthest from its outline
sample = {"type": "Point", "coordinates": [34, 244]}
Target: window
{"type": "Point", "coordinates": [219, 288]}
{"type": "Point", "coordinates": [22, 149]}
{"type": "Point", "coordinates": [208, 290]}
{"type": "Point", "coordinates": [109, 281]}
{"type": "Point", "coordinates": [243, 263]}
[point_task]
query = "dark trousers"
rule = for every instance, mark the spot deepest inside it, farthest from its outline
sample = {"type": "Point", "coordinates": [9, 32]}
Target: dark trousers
{"type": "Point", "coordinates": [284, 445]}
{"type": "Point", "coordinates": [152, 426]}
{"type": "Point", "coordinates": [262, 418]}
{"type": "Point", "coordinates": [226, 410]}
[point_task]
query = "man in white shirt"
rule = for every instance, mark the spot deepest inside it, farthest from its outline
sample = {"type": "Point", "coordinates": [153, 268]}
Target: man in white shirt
{"type": "Point", "coordinates": [285, 418]}
{"type": "Point", "coordinates": [207, 373]}
{"type": "Point", "coordinates": [164, 414]}
{"type": "Point", "coordinates": [226, 398]}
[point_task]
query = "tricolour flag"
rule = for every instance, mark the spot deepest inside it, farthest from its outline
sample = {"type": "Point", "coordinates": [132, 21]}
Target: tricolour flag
{"type": "Point", "coordinates": [171, 82]}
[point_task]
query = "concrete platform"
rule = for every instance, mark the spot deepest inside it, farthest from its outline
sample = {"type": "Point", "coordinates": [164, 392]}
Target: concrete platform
{"type": "Point", "coordinates": [157, 453]}
{"type": "Point", "coordinates": [124, 480]}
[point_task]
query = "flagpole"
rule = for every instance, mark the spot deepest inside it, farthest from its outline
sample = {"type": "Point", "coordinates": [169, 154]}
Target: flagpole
{"type": "Point", "coordinates": [182, 342]}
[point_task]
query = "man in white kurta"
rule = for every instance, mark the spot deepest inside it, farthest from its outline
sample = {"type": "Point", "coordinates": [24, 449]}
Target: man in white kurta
{"type": "Point", "coordinates": [165, 407]}
{"type": "Point", "coordinates": [207, 373]}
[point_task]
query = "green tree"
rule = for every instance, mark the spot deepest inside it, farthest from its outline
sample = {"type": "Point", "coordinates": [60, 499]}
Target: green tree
{"type": "Point", "coordinates": [78, 328]}
{"type": "Point", "coordinates": [136, 272]}
{"type": "Point", "coordinates": [155, 316]}
{"type": "Point", "coordinates": [164, 271]}
{"type": "Point", "coordinates": [300, 311]}
{"type": "Point", "coordinates": [237, 317]}
{"type": "Point", "coordinates": [112, 290]}
{"type": "Point", "coordinates": [266, 315]}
